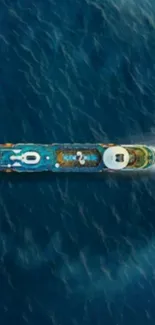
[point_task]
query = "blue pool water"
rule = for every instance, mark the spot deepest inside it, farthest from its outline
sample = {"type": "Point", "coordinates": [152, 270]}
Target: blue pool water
{"type": "Point", "coordinates": [73, 157]}
{"type": "Point", "coordinates": [77, 249]}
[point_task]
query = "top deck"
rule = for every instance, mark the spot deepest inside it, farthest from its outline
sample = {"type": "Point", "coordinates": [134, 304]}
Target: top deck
{"type": "Point", "coordinates": [74, 157]}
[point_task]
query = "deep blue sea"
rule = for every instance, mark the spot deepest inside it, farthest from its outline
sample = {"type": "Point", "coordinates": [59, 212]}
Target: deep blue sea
{"type": "Point", "coordinates": [77, 249]}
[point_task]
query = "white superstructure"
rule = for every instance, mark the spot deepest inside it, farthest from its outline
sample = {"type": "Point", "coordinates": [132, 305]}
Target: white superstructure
{"type": "Point", "coordinates": [116, 157]}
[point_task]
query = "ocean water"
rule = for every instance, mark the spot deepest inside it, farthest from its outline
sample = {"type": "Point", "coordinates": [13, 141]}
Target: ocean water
{"type": "Point", "coordinates": [77, 249]}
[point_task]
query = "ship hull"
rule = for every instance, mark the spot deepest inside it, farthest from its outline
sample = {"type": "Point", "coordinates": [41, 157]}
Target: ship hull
{"type": "Point", "coordinates": [86, 158]}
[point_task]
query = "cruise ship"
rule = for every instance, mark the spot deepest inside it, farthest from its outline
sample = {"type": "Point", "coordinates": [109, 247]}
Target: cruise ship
{"type": "Point", "coordinates": [86, 158]}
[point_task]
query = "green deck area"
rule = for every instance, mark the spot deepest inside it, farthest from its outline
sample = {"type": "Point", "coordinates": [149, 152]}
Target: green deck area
{"type": "Point", "coordinates": [140, 157]}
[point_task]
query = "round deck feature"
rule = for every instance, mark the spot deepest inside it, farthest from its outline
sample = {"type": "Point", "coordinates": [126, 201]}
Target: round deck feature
{"type": "Point", "coordinates": [29, 157]}
{"type": "Point", "coordinates": [116, 158]}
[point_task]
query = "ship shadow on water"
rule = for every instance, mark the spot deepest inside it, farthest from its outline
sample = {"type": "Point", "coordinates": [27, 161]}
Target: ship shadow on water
{"type": "Point", "coordinates": [50, 177]}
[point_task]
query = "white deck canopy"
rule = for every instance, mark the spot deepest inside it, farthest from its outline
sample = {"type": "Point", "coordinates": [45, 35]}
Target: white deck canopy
{"type": "Point", "coordinates": [116, 157]}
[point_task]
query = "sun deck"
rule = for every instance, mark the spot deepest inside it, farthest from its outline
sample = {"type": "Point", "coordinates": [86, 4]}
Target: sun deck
{"type": "Point", "coordinates": [140, 157]}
